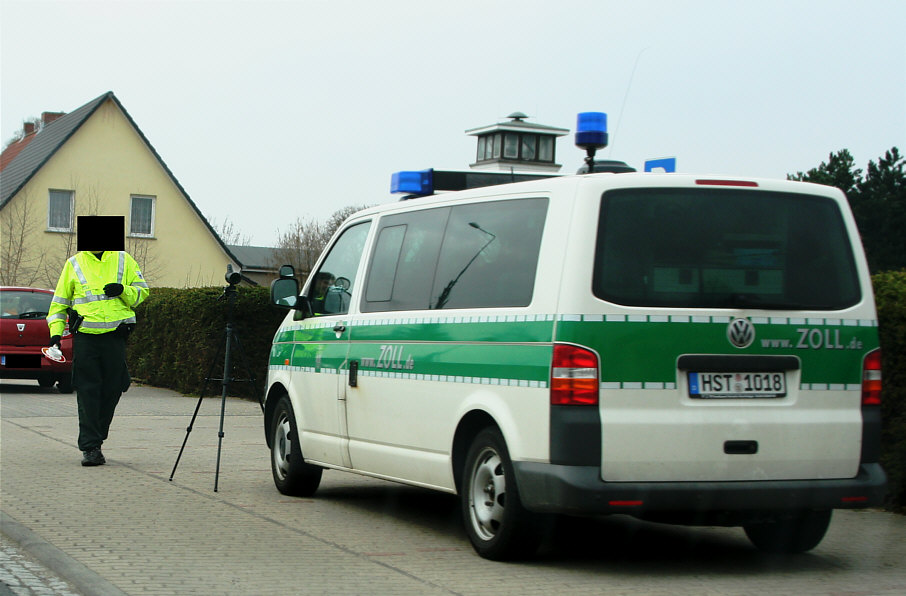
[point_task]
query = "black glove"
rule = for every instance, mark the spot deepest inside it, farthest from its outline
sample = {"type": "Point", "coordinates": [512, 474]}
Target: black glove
{"type": "Point", "coordinates": [113, 290]}
{"type": "Point", "coordinates": [55, 340]}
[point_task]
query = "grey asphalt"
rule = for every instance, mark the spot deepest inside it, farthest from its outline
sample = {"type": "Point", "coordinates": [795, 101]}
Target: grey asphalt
{"type": "Point", "coordinates": [125, 528]}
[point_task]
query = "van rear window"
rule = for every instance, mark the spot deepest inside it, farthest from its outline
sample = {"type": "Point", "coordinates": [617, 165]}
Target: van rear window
{"type": "Point", "coordinates": [723, 248]}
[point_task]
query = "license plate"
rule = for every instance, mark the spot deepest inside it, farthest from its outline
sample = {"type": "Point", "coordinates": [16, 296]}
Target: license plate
{"type": "Point", "coordinates": [737, 384]}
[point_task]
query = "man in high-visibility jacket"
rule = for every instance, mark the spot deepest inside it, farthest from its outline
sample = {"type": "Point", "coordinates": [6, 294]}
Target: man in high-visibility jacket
{"type": "Point", "coordinates": [102, 288]}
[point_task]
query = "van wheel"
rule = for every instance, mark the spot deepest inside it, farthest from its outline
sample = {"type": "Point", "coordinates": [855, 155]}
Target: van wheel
{"type": "Point", "coordinates": [496, 522]}
{"type": "Point", "coordinates": [292, 475]}
{"type": "Point", "coordinates": [797, 533]}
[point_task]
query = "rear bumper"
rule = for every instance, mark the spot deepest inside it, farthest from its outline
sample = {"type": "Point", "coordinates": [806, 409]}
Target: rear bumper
{"type": "Point", "coordinates": [579, 490]}
{"type": "Point", "coordinates": [29, 363]}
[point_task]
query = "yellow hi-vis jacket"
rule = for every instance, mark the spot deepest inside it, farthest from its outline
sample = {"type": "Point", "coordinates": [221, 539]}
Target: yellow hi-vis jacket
{"type": "Point", "coordinates": [81, 287]}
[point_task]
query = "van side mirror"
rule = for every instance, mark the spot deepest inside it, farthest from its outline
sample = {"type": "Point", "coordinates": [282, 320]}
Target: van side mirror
{"type": "Point", "coordinates": [285, 291]}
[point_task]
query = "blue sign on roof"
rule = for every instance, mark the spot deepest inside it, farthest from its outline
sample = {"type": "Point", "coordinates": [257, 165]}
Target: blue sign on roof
{"type": "Point", "coordinates": [666, 164]}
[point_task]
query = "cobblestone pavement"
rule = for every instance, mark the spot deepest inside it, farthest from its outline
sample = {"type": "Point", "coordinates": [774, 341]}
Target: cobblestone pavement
{"type": "Point", "coordinates": [125, 528]}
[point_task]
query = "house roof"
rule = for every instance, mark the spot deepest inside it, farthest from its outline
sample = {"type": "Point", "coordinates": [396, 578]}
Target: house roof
{"type": "Point", "coordinates": [32, 156]}
{"type": "Point", "coordinates": [14, 149]}
{"type": "Point", "coordinates": [42, 147]}
{"type": "Point", "coordinates": [254, 257]}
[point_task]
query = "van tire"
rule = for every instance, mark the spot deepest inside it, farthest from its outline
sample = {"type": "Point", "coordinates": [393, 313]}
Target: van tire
{"type": "Point", "coordinates": [790, 534]}
{"type": "Point", "coordinates": [497, 524]}
{"type": "Point", "coordinates": [292, 476]}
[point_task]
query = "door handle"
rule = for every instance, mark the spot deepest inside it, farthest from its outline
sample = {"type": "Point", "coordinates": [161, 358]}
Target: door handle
{"type": "Point", "coordinates": [354, 373]}
{"type": "Point", "coordinates": [339, 328]}
{"type": "Point", "coordinates": [740, 447]}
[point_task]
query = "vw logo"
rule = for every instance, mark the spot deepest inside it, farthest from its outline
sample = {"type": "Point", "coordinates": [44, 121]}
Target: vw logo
{"type": "Point", "coordinates": [741, 333]}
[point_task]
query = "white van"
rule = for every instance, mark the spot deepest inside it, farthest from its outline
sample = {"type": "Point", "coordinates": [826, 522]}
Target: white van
{"type": "Point", "coordinates": [672, 347]}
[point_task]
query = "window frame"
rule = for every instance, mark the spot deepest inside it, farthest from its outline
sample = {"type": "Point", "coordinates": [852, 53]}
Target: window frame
{"type": "Point", "coordinates": [493, 146]}
{"type": "Point", "coordinates": [50, 196]}
{"type": "Point", "coordinates": [153, 200]}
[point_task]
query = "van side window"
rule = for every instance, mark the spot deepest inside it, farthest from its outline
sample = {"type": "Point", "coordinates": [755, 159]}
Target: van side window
{"type": "Point", "coordinates": [480, 255]}
{"type": "Point", "coordinates": [333, 283]}
{"type": "Point", "coordinates": [401, 273]}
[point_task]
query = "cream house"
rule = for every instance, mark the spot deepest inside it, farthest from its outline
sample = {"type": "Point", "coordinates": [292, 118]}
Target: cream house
{"type": "Point", "coordinates": [96, 161]}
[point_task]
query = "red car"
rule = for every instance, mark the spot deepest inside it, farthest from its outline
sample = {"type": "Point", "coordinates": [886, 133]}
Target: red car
{"type": "Point", "coordinates": [23, 332]}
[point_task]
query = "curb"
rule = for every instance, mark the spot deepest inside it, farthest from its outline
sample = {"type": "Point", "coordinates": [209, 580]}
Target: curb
{"type": "Point", "coordinates": [78, 575]}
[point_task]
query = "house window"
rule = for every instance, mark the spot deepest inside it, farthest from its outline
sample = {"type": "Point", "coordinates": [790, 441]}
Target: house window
{"type": "Point", "coordinates": [516, 146]}
{"type": "Point", "coordinates": [498, 145]}
{"type": "Point", "coordinates": [59, 211]}
{"type": "Point", "coordinates": [528, 147]}
{"type": "Point", "coordinates": [511, 146]}
{"type": "Point", "coordinates": [141, 220]}
{"type": "Point", "coordinates": [546, 149]}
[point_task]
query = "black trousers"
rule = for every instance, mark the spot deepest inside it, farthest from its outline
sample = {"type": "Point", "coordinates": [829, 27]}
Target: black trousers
{"type": "Point", "coordinates": [99, 375]}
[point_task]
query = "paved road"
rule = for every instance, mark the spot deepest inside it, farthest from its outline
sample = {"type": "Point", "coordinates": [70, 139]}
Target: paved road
{"type": "Point", "coordinates": [124, 528]}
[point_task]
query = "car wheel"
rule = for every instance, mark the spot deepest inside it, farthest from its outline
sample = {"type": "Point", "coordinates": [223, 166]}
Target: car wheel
{"type": "Point", "coordinates": [64, 384]}
{"type": "Point", "coordinates": [499, 527]}
{"type": "Point", "coordinates": [292, 475]}
{"type": "Point", "coordinates": [796, 533]}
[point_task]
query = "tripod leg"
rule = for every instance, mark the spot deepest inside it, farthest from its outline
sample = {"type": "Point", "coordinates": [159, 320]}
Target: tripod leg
{"type": "Point", "coordinates": [227, 369]}
{"type": "Point", "coordinates": [186, 439]}
{"type": "Point", "coordinates": [204, 388]}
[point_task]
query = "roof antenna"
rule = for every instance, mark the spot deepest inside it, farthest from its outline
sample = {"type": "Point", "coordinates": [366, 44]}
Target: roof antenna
{"type": "Point", "coordinates": [626, 95]}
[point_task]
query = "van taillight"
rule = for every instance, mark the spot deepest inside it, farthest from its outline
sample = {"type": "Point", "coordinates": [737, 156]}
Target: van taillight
{"type": "Point", "coordinates": [871, 379]}
{"type": "Point", "coordinates": [574, 376]}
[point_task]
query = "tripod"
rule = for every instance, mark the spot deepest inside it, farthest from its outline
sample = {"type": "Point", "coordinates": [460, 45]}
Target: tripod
{"type": "Point", "coordinates": [232, 339]}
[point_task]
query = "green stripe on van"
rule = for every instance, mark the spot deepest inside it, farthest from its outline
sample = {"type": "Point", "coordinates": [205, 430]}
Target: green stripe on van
{"type": "Point", "coordinates": [645, 351]}
{"type": "Point", "coordinates": [635, 350]}
{"type": "Point", "coordinates": [488, 350]}
{"type": "Point", "coordinates": [469, 363]}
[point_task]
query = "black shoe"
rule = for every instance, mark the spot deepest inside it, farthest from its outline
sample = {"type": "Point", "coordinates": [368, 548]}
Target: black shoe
{"type": "Point", "coordinates": [93, 457]}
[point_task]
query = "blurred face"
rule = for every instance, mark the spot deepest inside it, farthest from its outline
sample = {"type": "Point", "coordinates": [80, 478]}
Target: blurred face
{"type": "Point", "coordinates": [323, 284]}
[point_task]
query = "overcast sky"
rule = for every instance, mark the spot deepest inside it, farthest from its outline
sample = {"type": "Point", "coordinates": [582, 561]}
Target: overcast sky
{"type": "Point", "coordinates": [269, 111]}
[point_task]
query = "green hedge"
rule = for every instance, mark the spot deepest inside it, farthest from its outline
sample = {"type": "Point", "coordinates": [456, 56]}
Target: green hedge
{"type": "Point", "coordinates": [890, 295]}
{"type": "Point", "coordinates": [181, 336]}
{"type": "Point", "coordinates": [182, 332]}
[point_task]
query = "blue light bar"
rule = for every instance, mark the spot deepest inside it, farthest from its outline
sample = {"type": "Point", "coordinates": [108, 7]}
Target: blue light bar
{"type": "Point", "coordinates": [413, 182]}
{"type": "Point", "coordinates": [591, 130]}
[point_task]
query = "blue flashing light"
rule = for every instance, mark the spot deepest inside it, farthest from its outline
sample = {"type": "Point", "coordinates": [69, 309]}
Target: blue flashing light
{"type": "Point", "coordinates": [413, 182]}
{"type": "Point", "coordinates": [591, 130]}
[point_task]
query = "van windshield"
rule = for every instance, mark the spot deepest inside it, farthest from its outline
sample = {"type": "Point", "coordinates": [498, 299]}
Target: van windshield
{"type": "Point", "coordinates": [723, 248]}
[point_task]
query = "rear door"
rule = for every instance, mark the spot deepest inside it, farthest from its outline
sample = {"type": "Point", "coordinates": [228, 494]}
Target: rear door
{"type": "Point", "coordinates": [731, 332]}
